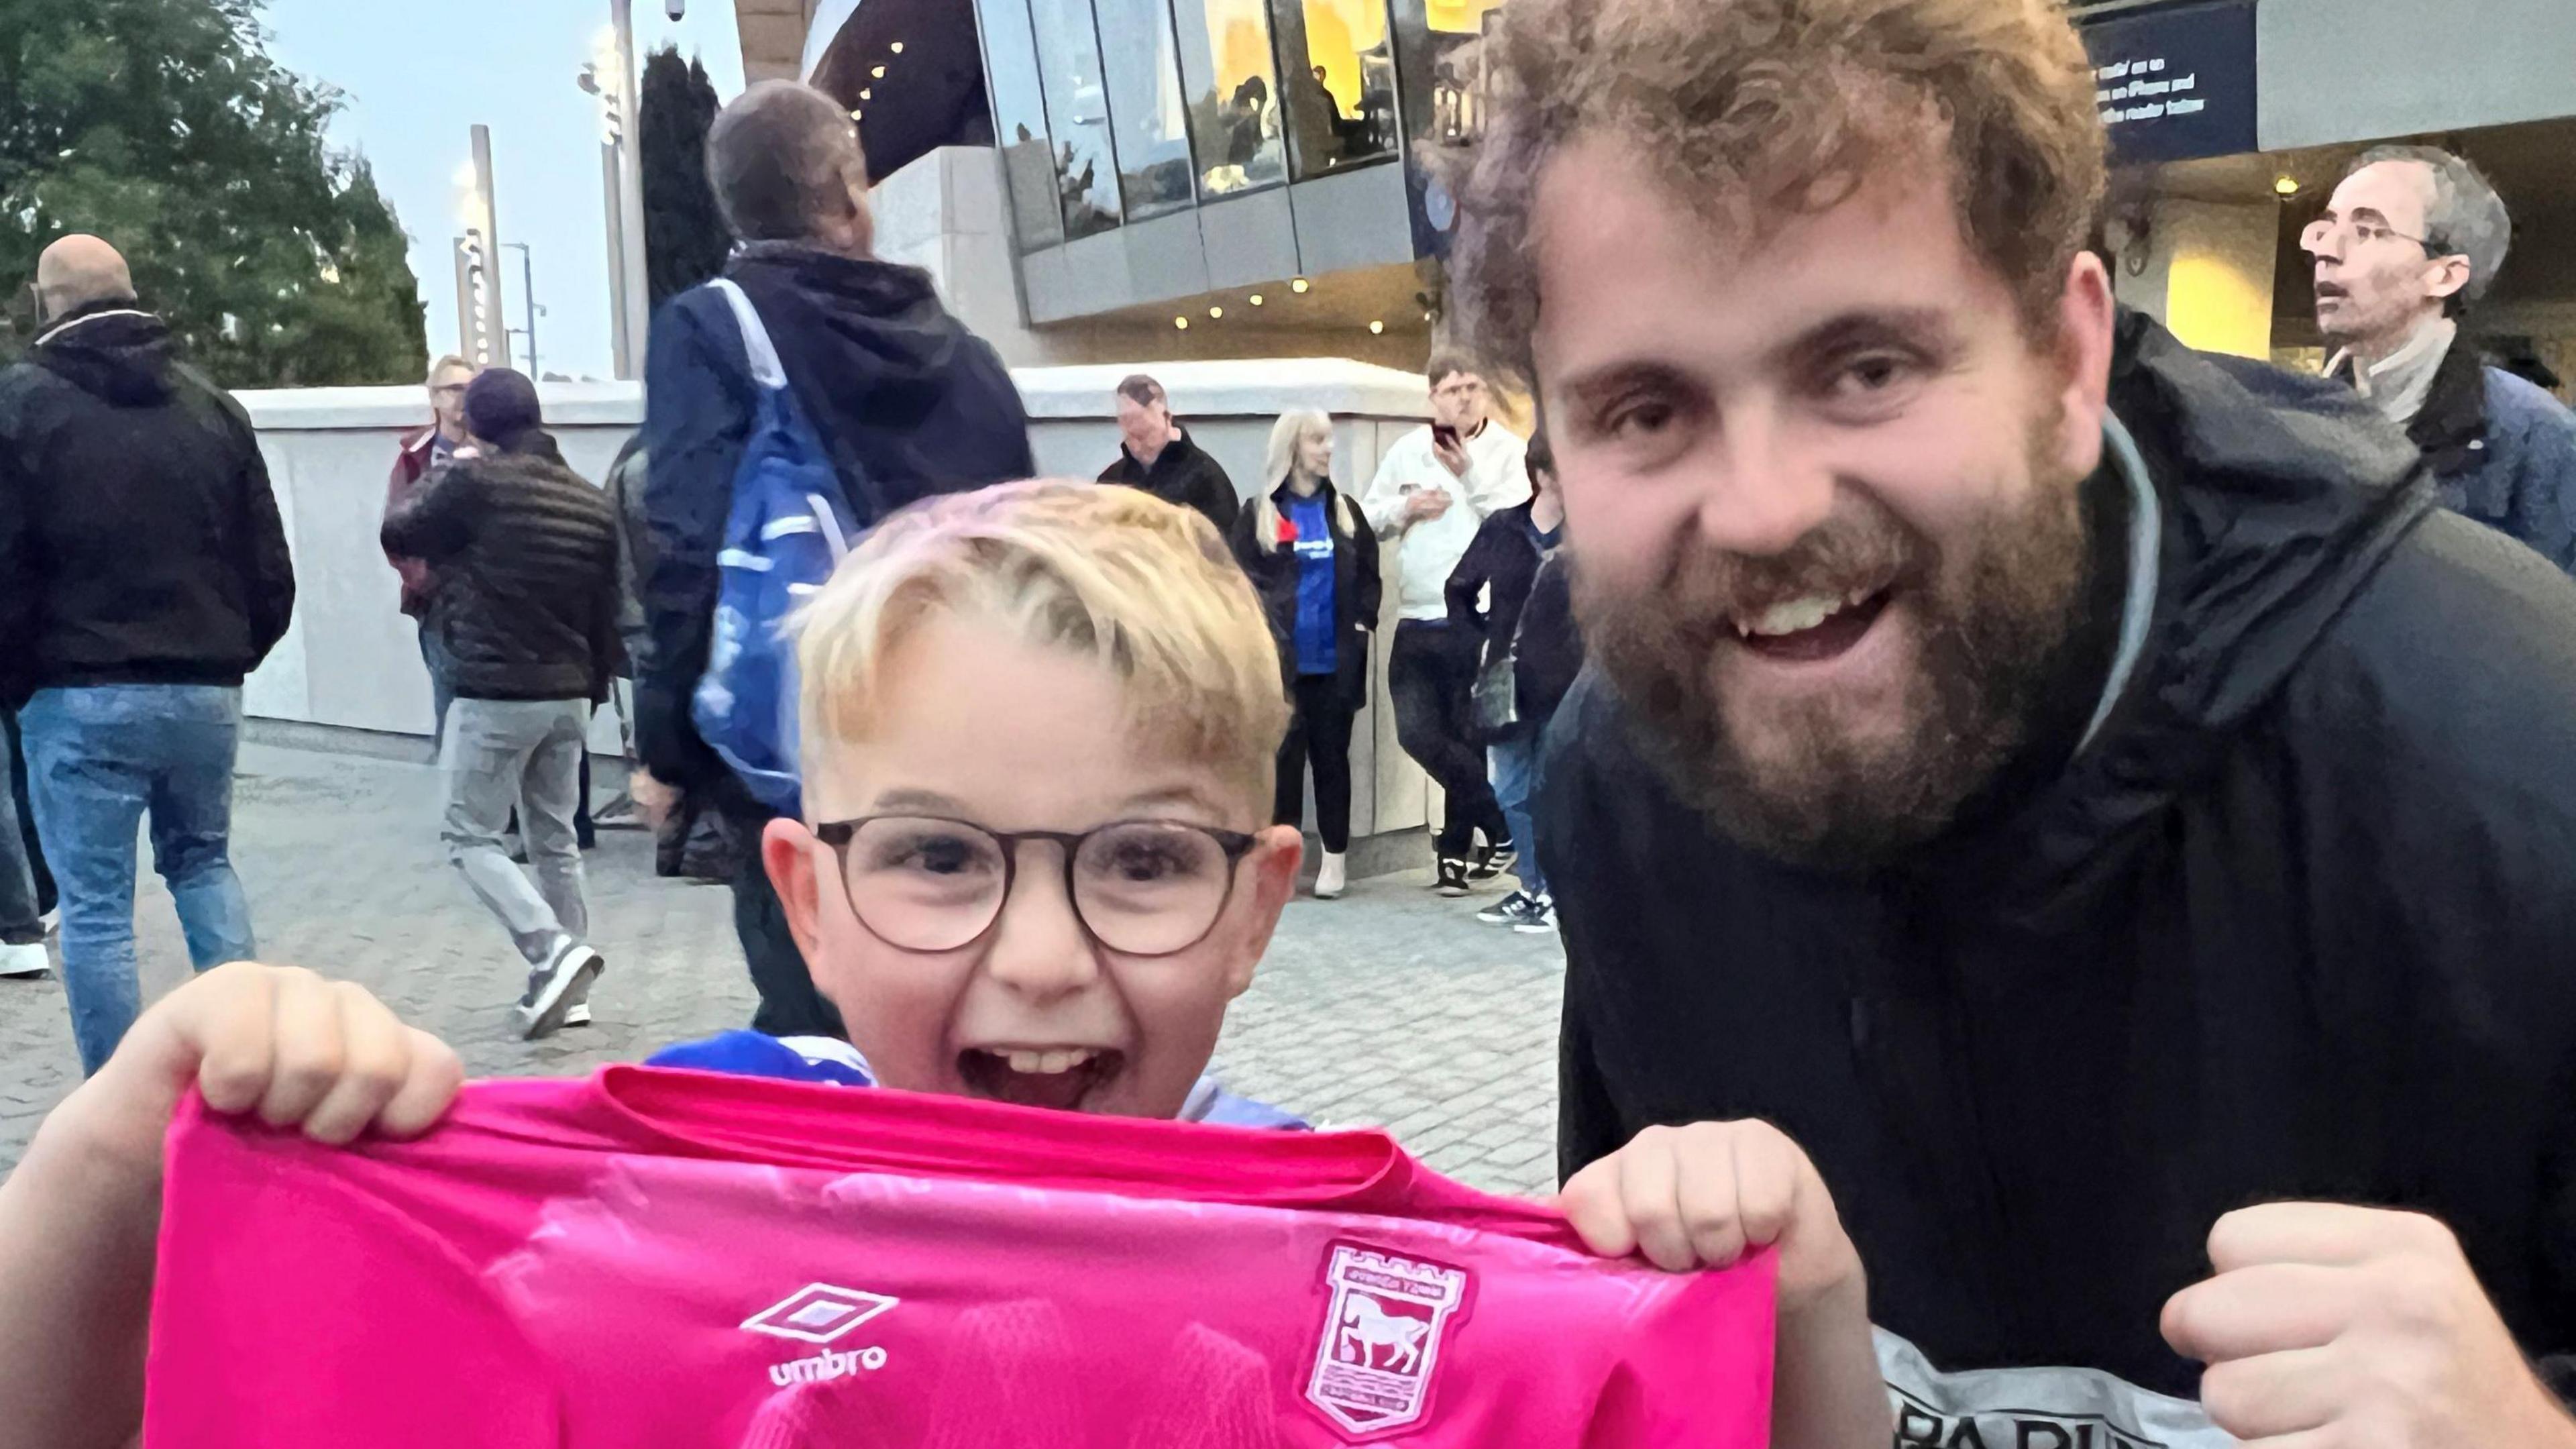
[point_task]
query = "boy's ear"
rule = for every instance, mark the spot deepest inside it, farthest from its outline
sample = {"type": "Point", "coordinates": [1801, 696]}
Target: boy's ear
{"type": "Point", "coordinates": [1272, 871]}
{"type": "Point", "coordinates": [788, 849]}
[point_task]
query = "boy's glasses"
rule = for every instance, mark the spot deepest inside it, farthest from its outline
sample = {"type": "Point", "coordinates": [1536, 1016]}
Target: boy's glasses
{"type": "Point", "coordinates": [1139, 887]}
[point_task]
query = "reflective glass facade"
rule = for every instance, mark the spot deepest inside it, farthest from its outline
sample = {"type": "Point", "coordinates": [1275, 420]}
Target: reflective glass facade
{"type": "Point", "coordinates": [1115, 111]}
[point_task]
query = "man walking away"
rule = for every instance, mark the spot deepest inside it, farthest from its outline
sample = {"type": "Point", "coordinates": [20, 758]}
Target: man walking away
{"type": "Point", "coordinates": [1433, 490]}
{"type": "Point", "coordinates": [1158, 456]}
{"type": "Point", "coordinates": [2414, 237]}
{"type": "Point", "coordinates": [421, 454]}
{"type": "Point", "coordinates": [526, 555]}
{"type": "Point", "coordinates": [143, 573]}
{"type": "Point", "coordinates": [906, 401]}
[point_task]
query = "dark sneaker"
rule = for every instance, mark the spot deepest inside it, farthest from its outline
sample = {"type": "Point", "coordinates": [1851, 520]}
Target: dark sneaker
{"type": "Point", "coordinates": [1506, 911]}
{"type": "Point", "coordinates": [1493, 860]}
{"type": "Point", "coordinates": [555, 988]}
{"type": "Point", "coordinates": [1539, 919]}
{"type": "Point", "coordinates": [1453, 878]}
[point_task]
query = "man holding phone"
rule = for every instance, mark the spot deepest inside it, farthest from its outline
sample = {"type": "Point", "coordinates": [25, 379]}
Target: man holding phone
{"type": "Point", "coordinates": [1433, 491]}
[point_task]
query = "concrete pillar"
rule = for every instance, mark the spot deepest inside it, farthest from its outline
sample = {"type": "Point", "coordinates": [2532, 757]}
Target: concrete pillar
{"type": "Point", "coordinates": [2207, 272]}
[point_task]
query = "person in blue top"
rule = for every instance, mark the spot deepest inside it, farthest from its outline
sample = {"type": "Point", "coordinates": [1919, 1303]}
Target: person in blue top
{"type": "Point", "coordinates": [1313, 560]}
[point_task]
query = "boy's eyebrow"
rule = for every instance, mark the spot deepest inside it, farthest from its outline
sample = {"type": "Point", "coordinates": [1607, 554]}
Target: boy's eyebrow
{"type": "Point", "coordinates": [1175, 795]}
{"type": "Point", "coordinates": [926, 801]}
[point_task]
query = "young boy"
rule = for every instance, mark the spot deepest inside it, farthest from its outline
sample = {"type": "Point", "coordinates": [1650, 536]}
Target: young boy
{"type": "Point", "coordinates": [1038, 730]}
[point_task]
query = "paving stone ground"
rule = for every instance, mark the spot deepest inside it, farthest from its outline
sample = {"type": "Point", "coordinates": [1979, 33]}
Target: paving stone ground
{"type": "Point", "coordinates": [1390, 1007]}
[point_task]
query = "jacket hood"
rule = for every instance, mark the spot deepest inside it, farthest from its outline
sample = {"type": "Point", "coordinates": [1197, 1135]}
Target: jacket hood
{"type": "Point", "coordinates": [2280, 497]}
{"type": "Point", "coordinates": [875, 328]}
{"type": "Point", "coordinates": [111, 349]}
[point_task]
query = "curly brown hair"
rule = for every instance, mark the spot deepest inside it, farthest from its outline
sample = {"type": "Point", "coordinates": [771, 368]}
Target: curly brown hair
{"type": "Point", "coordinates": [1757, 110]}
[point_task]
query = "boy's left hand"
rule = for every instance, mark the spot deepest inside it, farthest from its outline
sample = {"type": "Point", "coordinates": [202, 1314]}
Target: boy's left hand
{"type": "Point", "coordinates": [1704, 1195]}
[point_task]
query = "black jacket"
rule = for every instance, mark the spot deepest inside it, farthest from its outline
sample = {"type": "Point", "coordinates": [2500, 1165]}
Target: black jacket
{"type": "Point", "coordinates": [1185, 475]}
{"type": "Point", "coordinates": [1502, 568]}
{"type": "Point", "coordinates": [2295, 926]}
{"type": "Point", "coordinates": [525, 554]}
{"type": "Point", "coordinates": [139, 541]}
{"type": "Point", "coordinates": [905, 397]}
{"type": "Point", "coordinates": [1356, 590]}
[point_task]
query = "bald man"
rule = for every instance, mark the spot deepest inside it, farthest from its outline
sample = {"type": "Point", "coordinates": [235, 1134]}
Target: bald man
{"type": "Point", "coordinates": [143, 573]}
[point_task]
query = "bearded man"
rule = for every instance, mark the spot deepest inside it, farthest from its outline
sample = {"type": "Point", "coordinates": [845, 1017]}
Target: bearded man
{"type": "Point", "coordinates": [2084, 792]}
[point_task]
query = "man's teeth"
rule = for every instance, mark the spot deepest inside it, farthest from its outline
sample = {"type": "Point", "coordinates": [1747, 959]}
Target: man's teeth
{"type": "Point", "coordinates": [1798, 615]}
{"type": "Point", "coordinates": [1047, 1063]}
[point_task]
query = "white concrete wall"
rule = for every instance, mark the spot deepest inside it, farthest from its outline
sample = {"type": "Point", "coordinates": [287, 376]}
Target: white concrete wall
{"type": "Point", "coordinates": [352, 661]}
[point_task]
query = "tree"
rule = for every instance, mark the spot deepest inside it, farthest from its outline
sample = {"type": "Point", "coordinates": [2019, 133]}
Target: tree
{"type": "Point", "coordinates": [685, 238]}
{"type": "Point", "coordinates": [163, 126]}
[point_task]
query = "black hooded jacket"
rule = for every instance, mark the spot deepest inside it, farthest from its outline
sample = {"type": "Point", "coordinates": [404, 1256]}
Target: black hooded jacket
{"type": "Point", "coordinates": [909, 402]}
{"type": "Point", "coordinates": [525, 552]}
{"type": "Point", "coordinates": [2296, 924]}
{"type": "Point", "coordinates": [1184, 474]}
{"type": "Point", "coordinates": [139, 541]}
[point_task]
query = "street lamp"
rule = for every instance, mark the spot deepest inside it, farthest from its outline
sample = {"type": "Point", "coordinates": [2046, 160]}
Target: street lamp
{"type": "Point", "coordinates": [610, 76]}
{"type": "Point", "coordinates": [528, 299]}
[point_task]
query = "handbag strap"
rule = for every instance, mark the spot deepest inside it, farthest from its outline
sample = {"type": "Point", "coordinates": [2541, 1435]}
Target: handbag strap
{"type": "Point", "coordinates": [766, 369]}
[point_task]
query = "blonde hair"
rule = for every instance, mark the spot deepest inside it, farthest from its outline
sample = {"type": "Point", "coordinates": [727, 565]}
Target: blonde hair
{"type": "Point", "coordinates": [1143, 586]}
{"type": "Point", "coordinates": [1291, 429]}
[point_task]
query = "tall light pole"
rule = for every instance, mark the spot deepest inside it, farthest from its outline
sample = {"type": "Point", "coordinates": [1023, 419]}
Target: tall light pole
{"type": "Point", "coordinates": [637, 303]}
{"type": "Point", "coordinates": [528, 300]}
{"type": "Point", "coordinates": [482, 325]}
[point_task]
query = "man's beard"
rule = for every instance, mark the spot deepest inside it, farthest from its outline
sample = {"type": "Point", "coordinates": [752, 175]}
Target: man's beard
{"type": "Point", "coordinates": [1994, 615]}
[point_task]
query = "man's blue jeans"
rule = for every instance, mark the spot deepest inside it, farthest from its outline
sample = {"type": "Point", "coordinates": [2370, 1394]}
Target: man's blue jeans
{"type": "Point", "coordinates": [1514, 766]}
{"type": "Point", "coordinates": [99, 759]}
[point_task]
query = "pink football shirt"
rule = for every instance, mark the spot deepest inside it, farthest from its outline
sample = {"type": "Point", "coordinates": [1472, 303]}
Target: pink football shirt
{"type": "Point", "coordinates": [653, 1257]}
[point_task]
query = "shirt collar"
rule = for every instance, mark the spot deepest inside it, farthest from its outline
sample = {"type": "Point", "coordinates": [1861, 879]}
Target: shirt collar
{"type": "Point", "coordinates": [2399, 382]}
{"type": "Point", "coordinates": [2146, 553]}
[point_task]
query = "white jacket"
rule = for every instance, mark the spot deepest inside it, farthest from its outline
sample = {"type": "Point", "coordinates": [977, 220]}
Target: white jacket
{"type": "Point", "coordinates": [1426, 553]}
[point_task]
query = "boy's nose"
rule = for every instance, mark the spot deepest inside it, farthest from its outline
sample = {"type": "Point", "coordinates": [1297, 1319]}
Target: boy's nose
{"type": "Point", "coordinates": [1039, 948]}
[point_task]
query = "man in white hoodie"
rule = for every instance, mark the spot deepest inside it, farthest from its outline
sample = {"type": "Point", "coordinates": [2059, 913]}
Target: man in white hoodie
{"type": "Point", "coordinates": [1433, 490]}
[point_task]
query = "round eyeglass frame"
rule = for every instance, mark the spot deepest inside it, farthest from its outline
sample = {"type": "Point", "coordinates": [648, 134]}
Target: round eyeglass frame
{"type": "Point", "coordinates": [1234, 843]}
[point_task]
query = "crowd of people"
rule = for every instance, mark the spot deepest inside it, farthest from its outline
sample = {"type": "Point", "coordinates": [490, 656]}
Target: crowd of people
{"type": "Point", "coordinates": [2060, 838]}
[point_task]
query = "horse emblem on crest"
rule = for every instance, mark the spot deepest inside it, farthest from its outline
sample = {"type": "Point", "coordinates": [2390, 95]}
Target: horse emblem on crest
{"type": "Point", "coordinates": [1381, 1338]}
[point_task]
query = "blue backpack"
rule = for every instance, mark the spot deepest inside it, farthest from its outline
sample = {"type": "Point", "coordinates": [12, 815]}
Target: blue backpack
{"type": "Point", "coordinates": [789, 527]}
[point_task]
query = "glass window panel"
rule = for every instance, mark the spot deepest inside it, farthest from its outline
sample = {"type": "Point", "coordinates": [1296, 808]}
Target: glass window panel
{"type": "Point", "coordinates": [1340, 83]}
{"type": "Point", "coordinates": [1441, 47]}
{"type": "Point", "coordinates": [1145, 111]}
{"type": "Point", "coordinates": [1233, 93]}
{"type": "Point", "coordinates": [1020, 123]}
{"type": "Point", "coordinates": [1086, 176]}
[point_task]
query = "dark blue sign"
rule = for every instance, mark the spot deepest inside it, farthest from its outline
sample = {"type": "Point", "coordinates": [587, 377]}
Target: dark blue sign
{"type": "Point", "coordinates": [2176, 81]}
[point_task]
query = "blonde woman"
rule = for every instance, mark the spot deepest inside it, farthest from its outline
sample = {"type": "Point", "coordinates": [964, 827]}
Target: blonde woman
{"type": "Point", "coordinates": [1313, 559]}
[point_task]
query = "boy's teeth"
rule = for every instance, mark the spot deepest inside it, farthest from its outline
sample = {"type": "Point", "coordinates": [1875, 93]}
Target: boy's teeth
{"type": "Point", "coordinates": [1047, 1063]}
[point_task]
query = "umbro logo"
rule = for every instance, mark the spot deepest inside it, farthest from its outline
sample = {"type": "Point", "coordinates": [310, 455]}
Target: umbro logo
{"type": "Point", "coordinates": [818, 1313]}
{"type": "Point", "coordinates": [821, 1313]}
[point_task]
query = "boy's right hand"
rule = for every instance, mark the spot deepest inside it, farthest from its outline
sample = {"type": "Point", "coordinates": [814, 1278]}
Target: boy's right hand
{"type": "Point", "coordinates": [325, 1056]}
{"type": "Point", "coordinates": [1704, 1195]}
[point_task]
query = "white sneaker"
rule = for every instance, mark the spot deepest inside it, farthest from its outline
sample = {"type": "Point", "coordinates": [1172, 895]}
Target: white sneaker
{"type": "Point", "coordinates": [555, 988]}
{"type": "Point", "coordinates": [577, 1014]}
{"type": "Point", "coordinates": [27, 961]}
{"type": "Point", "coordinates": [52, 921]}
{"type": "Point", "coordinates": [1332, 877]}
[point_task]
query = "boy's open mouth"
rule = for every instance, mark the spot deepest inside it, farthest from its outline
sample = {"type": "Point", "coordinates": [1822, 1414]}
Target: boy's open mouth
{"type": "Point", "coordinates": [1059, 1077]}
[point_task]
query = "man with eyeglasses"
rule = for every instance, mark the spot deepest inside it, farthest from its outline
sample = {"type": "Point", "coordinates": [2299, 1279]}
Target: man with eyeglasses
{"type": "Point", "coordinates": [2412, 238]}
{"type": "Point", "coordinates": [421, 454]}
{"type": "Point", "coordinates": [1433, 490]}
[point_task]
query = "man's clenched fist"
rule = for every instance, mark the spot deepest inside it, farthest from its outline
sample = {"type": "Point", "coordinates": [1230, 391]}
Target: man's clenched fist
{"type": "Point", "coordinates": [2356, 1328]}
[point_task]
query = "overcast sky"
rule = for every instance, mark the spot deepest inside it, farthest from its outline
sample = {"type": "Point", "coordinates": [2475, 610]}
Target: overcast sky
{"type": "Point", "coordinates": [413, 89]}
